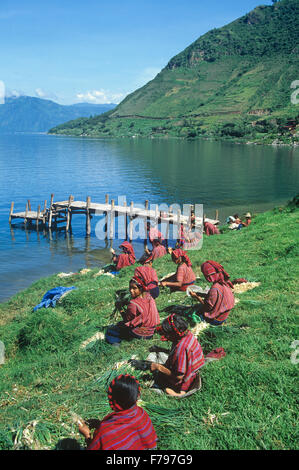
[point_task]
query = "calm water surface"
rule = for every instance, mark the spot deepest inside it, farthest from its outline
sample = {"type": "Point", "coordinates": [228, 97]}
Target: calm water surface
{"type": "Point", "coordinates": [221, 176]}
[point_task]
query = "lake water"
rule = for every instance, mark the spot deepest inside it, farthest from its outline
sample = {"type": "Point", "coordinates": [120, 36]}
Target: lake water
{"type": "Point", "coordinates": [229, 177]}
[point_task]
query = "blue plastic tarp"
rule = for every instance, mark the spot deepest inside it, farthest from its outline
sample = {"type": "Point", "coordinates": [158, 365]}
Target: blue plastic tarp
{"type": "Point", "coordinates": [50, 298]}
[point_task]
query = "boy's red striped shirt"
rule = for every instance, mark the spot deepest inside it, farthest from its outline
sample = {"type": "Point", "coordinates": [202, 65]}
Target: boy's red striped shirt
{"type": "Point", "coordinates": [130, 429]}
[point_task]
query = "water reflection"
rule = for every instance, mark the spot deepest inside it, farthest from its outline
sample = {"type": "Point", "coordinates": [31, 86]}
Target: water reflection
{"type": "Point", "coordinates": [231, 178]}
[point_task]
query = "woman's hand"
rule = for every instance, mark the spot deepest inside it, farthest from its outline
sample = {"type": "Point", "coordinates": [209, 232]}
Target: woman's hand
{"type": "Point", "coordinates": [154, 366]}
{"type": "Point", "coordinates": [162, 284]}
{"type": "Point", "coordinates": [84, 430]}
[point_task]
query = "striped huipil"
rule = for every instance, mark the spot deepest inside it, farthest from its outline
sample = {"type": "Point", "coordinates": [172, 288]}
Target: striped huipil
{"type": "Point", "coordinates": [219, 302]}
{"type": "Point", "coordinates": [130, 429]}
{"type": "Point", "coordinates": [185, 358]}
{"type": "Point", "coordinates": [142, 315]}
{"type": "Point", "coordinates": [185, 274]}
{"type": "Point", "coordinates": [158, 251]}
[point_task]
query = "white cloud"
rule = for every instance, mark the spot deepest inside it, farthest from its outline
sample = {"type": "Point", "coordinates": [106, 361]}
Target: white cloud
{"type": "Point", "coordinates": [100, 97]}
{"type": "Point", "coordinates": [13, 93]}
{"type": "Point", "coordinates": [40, 93]}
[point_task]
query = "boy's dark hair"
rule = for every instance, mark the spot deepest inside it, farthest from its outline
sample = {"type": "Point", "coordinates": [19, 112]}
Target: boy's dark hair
{"type": "Point", "coordinates": [123, 392]}
{"type": "Point", "coordinates": [68, 444]}
{"type": "Point", "coordinates": [179, 323]}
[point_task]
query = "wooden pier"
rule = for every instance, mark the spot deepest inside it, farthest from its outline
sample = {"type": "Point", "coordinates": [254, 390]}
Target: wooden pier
{"type": "Point", "coordinates": [63, 211]}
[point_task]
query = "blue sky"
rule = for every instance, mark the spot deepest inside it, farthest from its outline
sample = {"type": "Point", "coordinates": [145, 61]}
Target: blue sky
{"type": "Point", "coordinates": [100, 50]}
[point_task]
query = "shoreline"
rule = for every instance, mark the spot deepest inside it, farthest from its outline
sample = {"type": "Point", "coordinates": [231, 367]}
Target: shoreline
{"type": "Point", "coordinates": [101, 262]}
{"type": "Point", "coordinates": [211, 138]}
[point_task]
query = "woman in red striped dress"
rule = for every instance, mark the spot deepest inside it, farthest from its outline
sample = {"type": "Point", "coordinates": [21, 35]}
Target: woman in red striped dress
{"type": "Point", "coordinates": [184, 275]}
{"type": "Point", "coordinates": [148, 277]}
{"type": "Point", "coordinates": [127, 258]}
{"type": "Point", "coordinates": [178, 374]}
{"type": "Point", "coordinates": [129, 427]}
{"type": "Point", "coordinates": [219, 301]}
{"type": "Point", "coordinates": [139, 319]}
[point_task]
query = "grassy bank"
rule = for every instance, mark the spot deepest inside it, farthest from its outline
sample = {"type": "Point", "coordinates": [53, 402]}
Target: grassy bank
{"type": "Point", "coordinates": [248, 399]}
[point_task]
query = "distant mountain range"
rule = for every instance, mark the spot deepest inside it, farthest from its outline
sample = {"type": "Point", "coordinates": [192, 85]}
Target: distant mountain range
{"type": "Point", "coordinates": [232, 82]}
{"type": "Point", "coordinates": [29, 114]}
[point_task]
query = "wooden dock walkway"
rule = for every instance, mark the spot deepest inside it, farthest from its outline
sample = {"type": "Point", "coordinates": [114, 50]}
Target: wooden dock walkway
{"type": "Point", "coordinates": [63, 211]}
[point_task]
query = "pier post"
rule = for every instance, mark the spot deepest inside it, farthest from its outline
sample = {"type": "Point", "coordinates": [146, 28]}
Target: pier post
{"type": "Point", "coordinates": [26, 214]}
{"type": "Point", "coordinates": [37, 218]}
{"type": "Point", "coordinates": [88, 229]}
{"type": "Point", "coordinates": [217, 214]}
{"type": "Point", "coordinates": [131, 221]}
{"type": "Point", "coordinates": [11, 211]}
{"type": "Point", "coordinates": [69, 213]}
{"type": "Point", "coordinates": [29, 204]}
{"type": "Point", "coordinates": [145, 225]}
{"type": "Point", "coordinates": [51, 211]}
{"type": "Point", "coordinates": [106, 217]}
{"type": "Point", "coordinates": [111, 227]}
{"type": "Point", "coordinates": [44, 211]}
{"type": "Point", "coordinates": [126, 221]}
{"type": "Point", "coordinates": [178, 223]}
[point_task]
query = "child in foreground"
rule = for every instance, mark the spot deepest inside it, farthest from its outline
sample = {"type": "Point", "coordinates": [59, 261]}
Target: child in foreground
{"type": "Point", "coordinates": [178, 375]}
{"type": "Point", "coordinates": [128, 428]}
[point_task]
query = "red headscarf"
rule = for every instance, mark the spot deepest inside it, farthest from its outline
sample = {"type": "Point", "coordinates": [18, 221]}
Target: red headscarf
{"type": "Point", "coordinates": [127, 248]}
{"type": "Point", "coordinates": [214, 272]}
{"type": "Point", "coordinates": [142, 277]}
{"type": "Point", "coordinates": [181, 253]}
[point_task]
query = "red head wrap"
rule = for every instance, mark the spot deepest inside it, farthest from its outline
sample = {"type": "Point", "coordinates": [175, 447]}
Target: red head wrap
{"type": "Point", "coordinates": [181, 253]}
{"type": "Point", "coordinates": [127, 248]}
{"type": "Point", "coordinates": [214, 272]}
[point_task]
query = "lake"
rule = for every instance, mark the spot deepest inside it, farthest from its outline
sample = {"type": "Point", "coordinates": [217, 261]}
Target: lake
{"type": "Point", "coordinates": [220, 175]}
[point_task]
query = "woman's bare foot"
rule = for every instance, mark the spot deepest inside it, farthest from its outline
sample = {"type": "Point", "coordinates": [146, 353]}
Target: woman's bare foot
{"type": "Point", "coordinates": [172, 393]}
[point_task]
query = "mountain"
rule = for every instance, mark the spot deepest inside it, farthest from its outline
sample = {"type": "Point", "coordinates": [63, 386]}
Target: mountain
{"type": "Point", "coordinates": [29, 114]}
{"type": "Point", "coordinates": [233, 81]}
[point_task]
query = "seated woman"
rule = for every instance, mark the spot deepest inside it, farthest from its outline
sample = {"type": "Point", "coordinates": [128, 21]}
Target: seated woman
{"type": "Point", "coordinates": [210, 229]}
{"type": "Point", "coordinates": [139, 319]}
{"type": "Point", "coordinates": [188, 238]}
{"type": "Point", "coordinates": [184, 275]}
{"type": "Point", "coordinates": [219, 301]}
{"type": "Point", "coordinates": [158, 250]}
{"type": "Point", "coordinates": [128, 428]}
{"type": "Point", "coordinates": [248, 220]}
{"type": "Point", "coordinates": [178, 374]}
{"type": "Point", "coordinates": [153, 233]}
{"type": "Point", "coordinates": [127, 258]}
{"type": "Point", "coordinates": [148, 276]}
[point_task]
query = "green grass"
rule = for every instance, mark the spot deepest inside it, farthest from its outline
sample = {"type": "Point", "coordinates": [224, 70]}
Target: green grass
{"type": "Point", "coordinates": [248, 399]}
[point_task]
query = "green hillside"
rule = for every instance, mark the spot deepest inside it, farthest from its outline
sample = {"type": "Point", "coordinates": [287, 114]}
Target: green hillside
{"type": "Point", "coordinates": [233, 81]}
